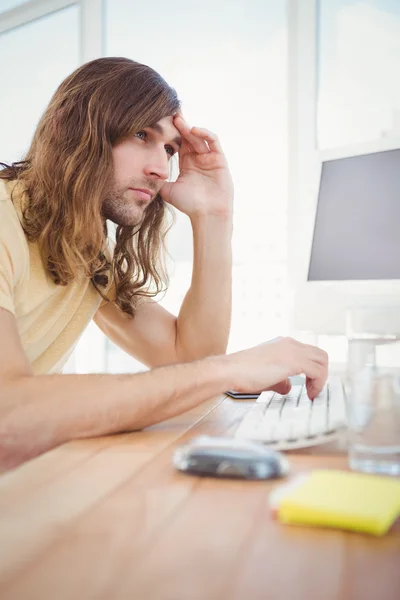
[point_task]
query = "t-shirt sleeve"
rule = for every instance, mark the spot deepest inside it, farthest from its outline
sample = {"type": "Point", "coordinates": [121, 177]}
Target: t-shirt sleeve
{"type": "Point", "coordinates": [11, 255]}
{"type": "Point", "coordinates": [6, 279]}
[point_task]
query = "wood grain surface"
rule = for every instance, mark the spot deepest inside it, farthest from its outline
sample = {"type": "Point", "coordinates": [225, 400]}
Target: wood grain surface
{"type": "Point", "coordinates": [109, 519]}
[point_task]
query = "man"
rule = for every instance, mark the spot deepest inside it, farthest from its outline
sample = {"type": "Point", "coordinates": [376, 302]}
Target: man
{"type": "Point", "coordinates": [101, 152]}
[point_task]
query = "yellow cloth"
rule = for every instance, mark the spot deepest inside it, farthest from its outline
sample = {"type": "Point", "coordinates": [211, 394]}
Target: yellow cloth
{"type": "Point", "coordinates": [50, 318]}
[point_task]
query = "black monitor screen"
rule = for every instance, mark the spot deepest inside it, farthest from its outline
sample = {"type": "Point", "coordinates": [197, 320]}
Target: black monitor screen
{"type": "Point", "coordinates": [357, 225]}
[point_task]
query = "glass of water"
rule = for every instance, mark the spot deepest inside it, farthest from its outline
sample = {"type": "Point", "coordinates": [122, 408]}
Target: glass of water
{"type": "Point", "coordinates": [372, 387]}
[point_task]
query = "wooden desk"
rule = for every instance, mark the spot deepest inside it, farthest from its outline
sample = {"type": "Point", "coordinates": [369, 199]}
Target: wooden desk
{"type": "Point", "coordinates": [110, 519]}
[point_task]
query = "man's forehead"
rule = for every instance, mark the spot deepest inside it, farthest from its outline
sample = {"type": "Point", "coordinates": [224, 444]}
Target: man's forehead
{"type": "Point", "coordinates": [166, 128]}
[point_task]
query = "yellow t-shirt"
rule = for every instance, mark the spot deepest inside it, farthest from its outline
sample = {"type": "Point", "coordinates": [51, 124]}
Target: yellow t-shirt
{"type": "Point", "coordinates": [50, 318]}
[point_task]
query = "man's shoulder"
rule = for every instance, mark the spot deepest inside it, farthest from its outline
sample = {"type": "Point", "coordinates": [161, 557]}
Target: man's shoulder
{"type": "Point", "coordinates": [5, 195]}
{"type": "Point", "coordinates": [6, 201]}
{"type": "Point", "coordinates": [10, 201]}
{"type": "Point", "coordinates": [12, 235]}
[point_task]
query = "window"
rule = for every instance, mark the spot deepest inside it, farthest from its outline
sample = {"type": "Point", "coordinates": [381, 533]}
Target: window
{"type": "Point", "coordinates": [31, 74]}
{"type": "Point", "coordinates": [359, 59]}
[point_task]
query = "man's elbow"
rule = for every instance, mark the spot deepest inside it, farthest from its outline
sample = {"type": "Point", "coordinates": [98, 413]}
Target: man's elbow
{"type": "Point", "coordinates": [17, 443]}
{"type": "Point", "coordinates": [218, 345]}
{"type": "Point", "coordinates": [188, 355]}
{"type": "Point", "coordinates": [13, 451]}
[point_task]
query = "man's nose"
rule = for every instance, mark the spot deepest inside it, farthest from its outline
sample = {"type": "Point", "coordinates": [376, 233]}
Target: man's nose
{"type": "Point", "coordinates": [157, 167]}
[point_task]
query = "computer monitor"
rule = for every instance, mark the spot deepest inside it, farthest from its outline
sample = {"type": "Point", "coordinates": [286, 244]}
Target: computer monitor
{"type": "Point", "coordinates": [348, 242]}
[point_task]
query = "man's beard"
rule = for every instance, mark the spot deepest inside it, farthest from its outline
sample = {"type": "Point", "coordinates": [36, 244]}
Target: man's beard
{"type": "Point", "coordinates": [124, 210]}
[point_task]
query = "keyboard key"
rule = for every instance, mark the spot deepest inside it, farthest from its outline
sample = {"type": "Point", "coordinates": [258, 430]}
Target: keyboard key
{"type": "Point", "coordinates": [284, 421]}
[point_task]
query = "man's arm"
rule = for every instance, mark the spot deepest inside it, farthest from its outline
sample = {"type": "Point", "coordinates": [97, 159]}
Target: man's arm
{"type": "Point", "coordinates": [156, 337]}
{"type": "Point", "coordinates": [204, 192]}
{"type": "Point", "coordinates": [205, 316]}
{"type": "Point", "coordinates": [40, 412]}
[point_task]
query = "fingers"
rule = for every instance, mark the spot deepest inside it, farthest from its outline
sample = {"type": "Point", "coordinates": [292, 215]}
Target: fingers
{"type": "Point", "coordinates": [283, 387]}
{"type": "Point", "coordinates": [316, 381]}
{"type": "Point", "coordinates": [311, 361]}
{"type": "Point", "coordinates": [314, 387]}
{"type": "Point", "coordinates": [315, 367]}
{"type": "Point", "coordinates": [316, 376]}
{"type": "Point", "coordinates": [209, 137]}
{"type": "Point", "coordinates": [201, 140]}
{"type": "Point", "coordinates": [195, 143]}
{"type": "Point", "coordinates": [316, 354]}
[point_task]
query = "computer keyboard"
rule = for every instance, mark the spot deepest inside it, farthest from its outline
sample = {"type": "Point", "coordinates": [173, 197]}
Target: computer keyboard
{"type": "Point", "coordinates": [293, 421]}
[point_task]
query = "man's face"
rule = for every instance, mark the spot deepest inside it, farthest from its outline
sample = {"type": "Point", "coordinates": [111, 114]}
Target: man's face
{"type": "Point", "coordinates": [141, 166]}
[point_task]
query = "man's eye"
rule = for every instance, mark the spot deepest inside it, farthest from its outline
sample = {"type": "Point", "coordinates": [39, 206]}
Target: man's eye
{"type": "Point", "coordinates": [141, 134]}
{"type": "Point", "coordinates": [170, 150]}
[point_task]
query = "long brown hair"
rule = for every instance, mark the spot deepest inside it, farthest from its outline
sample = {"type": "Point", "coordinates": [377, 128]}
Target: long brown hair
{"type": "Point", "coordinates": [67, 172]}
